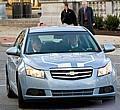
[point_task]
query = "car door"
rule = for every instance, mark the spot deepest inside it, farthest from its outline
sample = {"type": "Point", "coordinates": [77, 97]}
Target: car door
{"type": "Point", "coordinates": [13, 61]}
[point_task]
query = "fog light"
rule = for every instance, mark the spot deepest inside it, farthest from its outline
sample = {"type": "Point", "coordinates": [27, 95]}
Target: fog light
{"type": "Point", "coordinates": [106, 89]}
{"type": "Point", "coordinates": [35, 92]}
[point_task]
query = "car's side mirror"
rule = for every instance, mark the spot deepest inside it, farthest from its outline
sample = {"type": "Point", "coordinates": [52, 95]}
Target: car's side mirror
{"type": "Point", "coordinates": [108, 47]}
{"type": "Point", "coordinates": [13, 51]}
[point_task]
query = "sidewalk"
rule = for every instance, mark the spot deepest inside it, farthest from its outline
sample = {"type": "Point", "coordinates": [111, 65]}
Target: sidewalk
{"type": "Point", "coordinates": [8, 36]}
{"type": "Point", "coordinates": [102, 39]}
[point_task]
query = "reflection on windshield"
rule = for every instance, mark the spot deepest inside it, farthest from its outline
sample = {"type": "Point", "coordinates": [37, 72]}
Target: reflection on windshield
{"type": "Point", "coordinates": [60, 42]}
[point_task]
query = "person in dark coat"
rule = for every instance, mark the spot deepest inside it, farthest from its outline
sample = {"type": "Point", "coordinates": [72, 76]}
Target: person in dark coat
{"type": "Point", "coordinates": [86, 17]}
{"type": "Point", "coordinates": [68, 16]}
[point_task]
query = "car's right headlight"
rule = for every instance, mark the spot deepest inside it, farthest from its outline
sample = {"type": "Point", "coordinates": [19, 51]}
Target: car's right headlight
{"type": "Point", "coordinates": [34, 72]}
{"type": "Point", "coordinates": [105, 70]}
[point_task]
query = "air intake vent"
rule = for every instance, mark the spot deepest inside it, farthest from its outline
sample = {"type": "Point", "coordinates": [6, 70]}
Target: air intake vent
{"type": "Point", "coordinates": [72, 92]}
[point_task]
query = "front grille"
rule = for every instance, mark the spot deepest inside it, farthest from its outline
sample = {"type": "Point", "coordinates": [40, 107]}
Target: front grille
{"type": "Point", "coordinates": [72, 92]}
{"type": "Point", "coordinates": [71, 74]}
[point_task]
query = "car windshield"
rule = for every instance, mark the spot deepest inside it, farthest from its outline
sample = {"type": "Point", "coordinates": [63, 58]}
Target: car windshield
{"type": "Point", "coordinates": [60, 42]}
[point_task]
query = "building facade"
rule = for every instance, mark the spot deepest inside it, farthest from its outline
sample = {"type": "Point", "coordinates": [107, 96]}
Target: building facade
{"type": "Point", "coordinates": [100, 7]}
{"type": "Point", "coordinates": [52, 8]}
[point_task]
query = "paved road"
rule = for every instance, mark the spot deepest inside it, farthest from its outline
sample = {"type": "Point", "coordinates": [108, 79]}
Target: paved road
{"type": "Point", "coordinates": [11, 104]}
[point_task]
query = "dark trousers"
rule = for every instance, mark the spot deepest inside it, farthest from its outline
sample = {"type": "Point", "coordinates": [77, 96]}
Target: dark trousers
{"type": "Point", "coordinates": [90, 28]}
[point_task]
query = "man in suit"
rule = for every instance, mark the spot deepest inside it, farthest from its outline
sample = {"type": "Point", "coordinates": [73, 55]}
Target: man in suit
{"type": "Point", "coordinates": [86, 17]}
{"type": "Point", "coordinates": [68, 16]}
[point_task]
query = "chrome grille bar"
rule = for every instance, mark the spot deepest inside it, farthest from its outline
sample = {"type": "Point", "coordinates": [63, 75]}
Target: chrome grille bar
{"type": "Point", "coordinates": [75, 73]}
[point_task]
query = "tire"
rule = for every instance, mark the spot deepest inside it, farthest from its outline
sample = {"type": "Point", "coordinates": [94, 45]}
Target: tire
{"type": "Point", "coordinates": [21, 101]}
{"type": "Point", "coordinates": [10, 92]}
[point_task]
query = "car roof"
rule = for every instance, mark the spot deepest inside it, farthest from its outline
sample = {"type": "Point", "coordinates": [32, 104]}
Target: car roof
{"type": "Point", "coordinates": [56, 29]}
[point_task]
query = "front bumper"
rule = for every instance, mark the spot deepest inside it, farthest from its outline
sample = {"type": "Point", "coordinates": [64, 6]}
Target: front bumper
{"type": "Point", "coordinates": [49, 84]}
{"type": "Point", "coordinates": [89, 97]}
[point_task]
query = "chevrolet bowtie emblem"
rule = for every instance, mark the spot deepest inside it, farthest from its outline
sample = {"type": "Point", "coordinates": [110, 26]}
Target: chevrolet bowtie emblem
{"type": "Point", "coordinates": [71, 73]}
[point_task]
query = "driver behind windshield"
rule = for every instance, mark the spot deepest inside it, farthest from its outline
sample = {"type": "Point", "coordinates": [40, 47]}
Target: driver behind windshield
{"type": "Point", "coordinates": [73, 43]}
{"type": "Point", "coordinates": [36, 44]}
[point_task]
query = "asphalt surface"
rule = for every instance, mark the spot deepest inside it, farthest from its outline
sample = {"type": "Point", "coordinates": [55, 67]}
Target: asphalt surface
{"type": "Point", "coordinates": [12, 104]}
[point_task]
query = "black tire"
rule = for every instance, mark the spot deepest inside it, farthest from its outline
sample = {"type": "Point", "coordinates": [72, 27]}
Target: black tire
{"type": "Point", "coordinates": [21, 101]}
{"type": "Point", "coordinates": [10, 92]}
{"type": "Point", "coordinates": [111, 100]}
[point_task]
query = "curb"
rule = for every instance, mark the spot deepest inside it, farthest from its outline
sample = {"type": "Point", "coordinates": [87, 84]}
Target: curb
{"type": "Point", "coordinates": [7, 41]}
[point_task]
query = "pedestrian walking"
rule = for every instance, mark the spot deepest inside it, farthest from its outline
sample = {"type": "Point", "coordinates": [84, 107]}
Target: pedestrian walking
{"type": "Point", "coordinates": [40, 13]}
{"type": "Point", "coordinates": [86, 17]}
{"type": "Point", "coordinates": [68, 16]}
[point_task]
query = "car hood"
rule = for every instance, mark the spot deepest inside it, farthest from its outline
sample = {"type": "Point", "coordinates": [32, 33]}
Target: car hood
{"type": "Point", "coordinates": [56, 60]}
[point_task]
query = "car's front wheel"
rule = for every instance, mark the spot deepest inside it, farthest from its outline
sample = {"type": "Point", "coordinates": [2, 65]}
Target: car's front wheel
{"type": "Point", "coordinates": [21, 101]}
{"type": "Point", "coordinates": [10, 92]}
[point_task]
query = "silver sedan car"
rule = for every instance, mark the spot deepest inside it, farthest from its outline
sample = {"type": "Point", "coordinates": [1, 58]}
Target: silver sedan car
{"type": "Point", "coordinates": [59, 62]}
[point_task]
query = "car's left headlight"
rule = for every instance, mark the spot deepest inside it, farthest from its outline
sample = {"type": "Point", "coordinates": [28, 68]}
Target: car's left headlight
{"type": "Point", "coordinates": [105, 70]}
{"type": "Point", "coordinates": [34, 72]}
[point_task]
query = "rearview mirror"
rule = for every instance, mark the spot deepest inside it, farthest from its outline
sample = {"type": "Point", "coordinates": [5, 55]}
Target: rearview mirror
{"type": "Point", "coordinates": [108, 47]}
{"type": "Point", "coordinates": [13, 51]}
